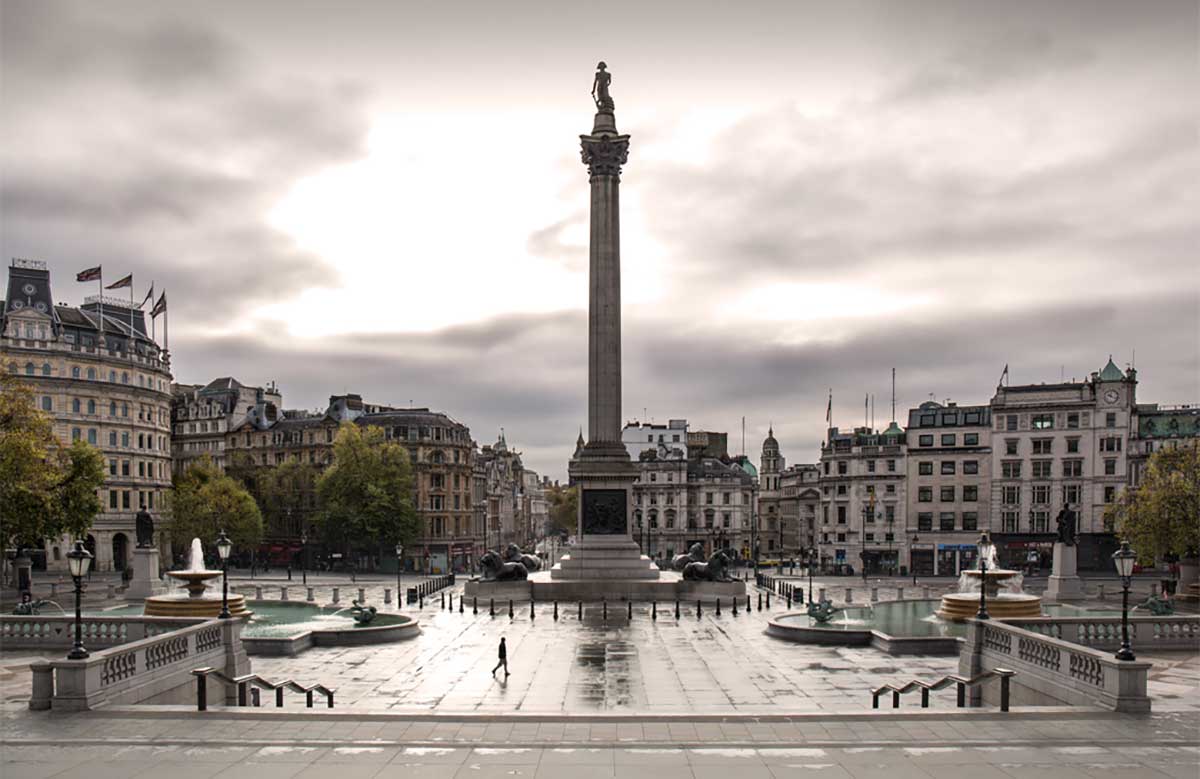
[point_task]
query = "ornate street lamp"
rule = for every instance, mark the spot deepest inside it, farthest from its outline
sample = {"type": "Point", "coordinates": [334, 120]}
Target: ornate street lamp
{"type": "Point", "coordinates": [1123, 559]}
{"type": "Point", "coordinates": [224, 547]}
{"type": "Point", "coordinates": [80, 561]}
{"type": "Point", "coordinates": [813, 557]}
{"type": "Point", "coordinates": [400, 573]}
{"type": "Point", "coordinates": [911, 558]}
{"type": "Point", "coordinates": [985, 551]}
{"type": "Point", "coordinates": [304, 557]}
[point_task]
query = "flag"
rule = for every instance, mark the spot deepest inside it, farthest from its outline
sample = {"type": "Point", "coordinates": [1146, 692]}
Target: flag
{"type": "Point", "coordinates": [125, 282]}
{"type": "Point", "coordinates": [161, 306]}
{"type": "Point", "coordinates": [1003, 375]}
{"type": "Point", "coordinates": [91, 274]}
{"type": "Point", "coordinates": [149, 295]}
{"type": "Point", "coordinates": [829, 409]}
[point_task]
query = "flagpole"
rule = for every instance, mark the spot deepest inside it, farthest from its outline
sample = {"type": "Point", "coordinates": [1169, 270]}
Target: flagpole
{"type": "Point", "coordinates": [132, 347]}
{"type": "Point", "coordinates": [101, 301]}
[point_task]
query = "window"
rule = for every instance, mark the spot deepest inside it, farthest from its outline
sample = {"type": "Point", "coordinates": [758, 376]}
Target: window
{"type": "Point", "coordinates": [1011, 422]}
{"type": "Point", "coordinates": [1110, 444]}
{"type": "Point", "coordinates": [1072, 445]}
{"type": "Point", "coordinates": [725, 519]}
{"type": "Point", "coordinates": [841, 489]}
{"type": "Point", "coordinates": [1008, 521]}
{"type": "Point", "coordinates": [946, 495]}
{"type": "Point", "coordinates": [112, 499]}
{"type": "Point", "coordinates": [1042, 469]}
{"type": "Point", "coordinates": [1072, 468]}
{"type": "Point", "coordinates": [889, 513]}
{"type": "Point", "coordinates": [947, 467]}
{"type": "Point", "coordinates": [972, 418]}
{"type": "Point", "coordinates": [92, 436]}
{"type": "Point", "coordinates": [970, 439]}
{"type": "Point", "coordinates": [890, 489]}
{"type": "Point", "coordinates": [1043, 445]}
{"type": "Point", "coordinates": [74, 371]}
{"type": "Point", "coordinates": [125, 439]}
{"type": "Point", "coordinates": [1041, 494]}
{"type": "Point", "coordinates": [970, 467]}
{"type": "Point", "coordinates": [841, 515]}
{"type": "Point", "coordinates": [76, 406]}
{"type": "Point", "coordinates": [1073, 421]}
{"type": "Point", "coordinates": [725, 498]}
{"type": "Point", "coordinates": [47, 403]}
{"type": "Point", "coordinates": [925, 469]}
{"type": "Point", "coordinates": [1110, 467]}
{"type": "Point", "coordinates": [870, 466]}
{"type": "Point", "coordinates": [925, 440]}
{"type": "Point", "coordinates": [946, 520]}
{"type": "Point", "coordinates": [91, 407]}
{"type": "Point", "coordinates": [841, 467]}
{"type": "Point", "coordinates": [891, 465]}
{"type": "Point", "coordinates": [948, 439]}
{"type": "Point", "coordinates": [112, 467]}
{"type": "Point", "coordinates": [76, 434]}
{"type": "Point", "coordinates": [925, 520]}
{"type": "Point", "coordinates": [1043, 421]}
{"type": "Point", "coordinates": [925, 494]}
{"type": "Point", "coordinates": [970, 520]}
{"type": "Point", "coordinates": [124, 467]}
{"type": "Point", "coordinates": [1040, 521]}
{"type": "Point", "coordinates": [91, 374]}
{"type": "Point", "coordinates": [868, 536]}
{"type": "Point", "coordinates": [1110, 494]}
{"type": "Point", "coordinates": [1010, 445]}
{"type": "Point", "coordinates": [1010, 469]}
{"type": "Point", "coordinates": [1072, 493]}
{"type": "Point", "coordinates": [125, 499]}
{"type": "Point", "coordinates": [927, 420]}
{"type": "Point", "coordinates": [1110, 419]}
{"type": "Point", "coordinates": [708, 498]}
{"type": "Point", "coordinates": [970, 493]}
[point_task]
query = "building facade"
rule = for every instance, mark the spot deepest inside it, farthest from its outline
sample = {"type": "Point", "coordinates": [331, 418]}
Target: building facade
{"type": "Point", "coordinates": [863, 493]}
{"type": "Point", "coordinates": [949, 471]}
{"type": "Point", "coordinates": [799, 508]}
{"type": "Point", "coordinates": [102, 379]}
{"type": "Point", "coordinates": [1061, 445]}
{"type": "Point", "coordinates": [201, 415]}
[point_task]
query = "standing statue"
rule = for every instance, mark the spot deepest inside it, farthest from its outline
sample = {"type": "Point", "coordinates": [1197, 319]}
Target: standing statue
{"type": "Point", "coordinates": [694, 555]}
{"type": "Point", "coordinates": [604, 101]}
{"type": "Point", "coordinates": [144, 528]}
{"type": "Point", "coordinates": [1066, 526]}
{"type": "Point", "coordinates": [513, 554]}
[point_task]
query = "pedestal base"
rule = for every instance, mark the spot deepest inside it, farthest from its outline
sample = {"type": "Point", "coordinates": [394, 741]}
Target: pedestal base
{"type": "Point", "coordinates": [605, 558]}
{"type": "Point", "coordinates": [145, 574]}
{"type": "Point", "coordinates": [1064, 584]}
{"type": "Point", "coordinates": [543, 588]}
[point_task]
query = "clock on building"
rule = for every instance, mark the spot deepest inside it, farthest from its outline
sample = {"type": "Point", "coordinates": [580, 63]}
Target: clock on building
{"type": "Point", "coordinates": [1111, 396]}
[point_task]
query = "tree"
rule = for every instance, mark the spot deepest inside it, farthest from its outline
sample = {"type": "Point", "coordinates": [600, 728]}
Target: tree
{"type": "Point", "coordinates": [366, 493]}
{"type": "Point", "coordinates": [282, 492]}
{"type": "Point", "coordinates": [564, 509]}
{"type": "Point", "coordinates": [46, 489]}
{"type": "Point", "coordinates": [204, 502]}
{"type": "Point", "coordinates": [1162, 515]}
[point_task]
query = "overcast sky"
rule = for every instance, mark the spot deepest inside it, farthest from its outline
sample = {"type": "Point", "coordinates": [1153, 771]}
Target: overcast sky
{"type": "Point", "coordinates": [387, 198]}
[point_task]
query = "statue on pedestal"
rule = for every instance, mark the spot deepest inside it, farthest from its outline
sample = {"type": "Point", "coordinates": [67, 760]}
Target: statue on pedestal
{"type": "Point", "coordinates": [513, 554]}
{"type": "Point", "coordinates": [496, 570]}
{"type": "Point", "coordinates": [823, 610]}
{"type": "Point", "coordinates": [604, 101]}
{"type": "Point", "coordinates": [715, 570]}
{"type": "Point", "coordinates": [1066, 526]}
{"type": "Point", "coordinates": [362, 613]}
{"type": "Point", "coordinates": [144, 527]}
{"type": "Point", "coordinates": [694, 555]}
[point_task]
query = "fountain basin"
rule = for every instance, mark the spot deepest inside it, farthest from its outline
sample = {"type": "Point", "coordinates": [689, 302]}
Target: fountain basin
{"type": "Point", "coordinates": [961, 606]}
{"type": "Point", "coordinates": [191, 606]}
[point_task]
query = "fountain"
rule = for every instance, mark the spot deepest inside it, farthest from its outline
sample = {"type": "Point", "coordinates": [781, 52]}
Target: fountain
{"type": "Point", "coordinates": [1010, 604]}
{"type": "Point", "coordinates": [194, 603]}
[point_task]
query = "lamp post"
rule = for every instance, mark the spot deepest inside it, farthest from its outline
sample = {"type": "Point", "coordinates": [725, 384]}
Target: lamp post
{"type": "Point", "coordinates": [985, 550]}
{"type": "Point", "coordinates": [80, 561]}
{"type": "Point", "coordinates": [1124, 558]}
{"type": "Point", "coordinates": [304, 557]}
{"type": "Point", "coordinates": [812, 561]}
{"type": "Point", "coordinates": [399, 573]}
{"type": "Point", "coordinates": [224, 547]}
{"type": "Point", "coordinates": [912, 559]}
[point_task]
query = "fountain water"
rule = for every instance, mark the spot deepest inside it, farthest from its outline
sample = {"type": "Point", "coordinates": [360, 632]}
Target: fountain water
{"type": "Point", "coordinates": [1011, 603]}
{"type": "Point", "coordinates": [195, 603]}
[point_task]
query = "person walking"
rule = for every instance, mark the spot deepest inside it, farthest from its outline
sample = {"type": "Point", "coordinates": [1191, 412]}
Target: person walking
{"type": "Point", "coordinates": [503, 658]}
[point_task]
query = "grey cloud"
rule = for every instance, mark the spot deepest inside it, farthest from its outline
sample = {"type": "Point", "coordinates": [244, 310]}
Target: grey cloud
{"type": "Point", "coordinates": [548, 242]}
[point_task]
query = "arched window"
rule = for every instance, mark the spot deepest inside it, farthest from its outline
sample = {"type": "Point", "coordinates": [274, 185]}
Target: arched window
{"type": "Point", "coordinates": [74, 371]}
{"type": "Point", "coordinates": [709, 516]}
{"type": "Point", "coordinates": [29, 369]}
{"type": "Point", "coordinates": [75, 406]}
{"type": "Point", "coordinates": [124, 377]}
{"type": "Point", "coordinates": [670, 517]}
{"type": "Point", "coordinates": [653, 519]}
{"type": "Point", "coordinates": [45, 369]}
{"type": "Point", "coordinates": [91, 406]}
{"type": "Point", "coordinates": [112, 376]}
{"type": "Point", "coordinates": [91, 374]}
{"type": "Point", "coordinates": [112, 408]}
{"type": "Point", "coordinates": [124, 409]}
{"type": "Point", "coordinates": [47, 403]}
{"type": "Point", "coordinates": [12, 367]}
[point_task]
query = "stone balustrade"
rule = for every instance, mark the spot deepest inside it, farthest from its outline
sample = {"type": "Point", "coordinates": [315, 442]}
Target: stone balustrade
{"type": "Point", "coordinates": [56, 631]}
{"type": "Point", "coordinates": [156, 669]}
{"type": "Point", "coordinates": [1052, 671]}
{"type": "Point", "coordinates": [1173, 632]}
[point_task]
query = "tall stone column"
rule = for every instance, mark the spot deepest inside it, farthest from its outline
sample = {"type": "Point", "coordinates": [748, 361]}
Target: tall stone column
{"type": "Point", "coordinates": [602, 471]}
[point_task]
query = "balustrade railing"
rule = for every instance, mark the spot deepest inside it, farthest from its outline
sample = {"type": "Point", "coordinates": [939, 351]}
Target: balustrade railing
{"type": "Point", "coordinates": [58, 630]}
{"type": "Point", "coordinates": [1159, 633]}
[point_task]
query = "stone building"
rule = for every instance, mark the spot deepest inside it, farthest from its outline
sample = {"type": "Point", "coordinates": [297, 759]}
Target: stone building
{"type": "Point", "coordinates": [1160, 427]}
{"type": "Point", "coordinates": [949, 486]}
{"type": "Point", "coordinates": [1055, 445]}
{"type": "Point", "coordinates": [862, 483]}
{"type": "Point", "coordinates": [104, 380]}
{"type": "Point", "coordinates": [501, 484]}
{"type": "Point", "coordinates": [799, 507]}
{"type": "Point", "coordinates": [201, 415]}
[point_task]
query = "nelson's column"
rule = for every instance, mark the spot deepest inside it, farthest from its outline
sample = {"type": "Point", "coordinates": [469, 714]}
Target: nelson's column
{"type": "Point", "coordinates": [603, 472]}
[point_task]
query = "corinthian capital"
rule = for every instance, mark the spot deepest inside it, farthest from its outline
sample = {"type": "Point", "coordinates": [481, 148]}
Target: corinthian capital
{"type": "Point", "coordinates": [604, 155]}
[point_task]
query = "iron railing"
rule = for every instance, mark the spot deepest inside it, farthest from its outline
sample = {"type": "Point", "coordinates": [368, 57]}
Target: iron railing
{"type": "Point", "coordinates": [249, 685]}
{"type": "Point", "coordinates": [961, 681]}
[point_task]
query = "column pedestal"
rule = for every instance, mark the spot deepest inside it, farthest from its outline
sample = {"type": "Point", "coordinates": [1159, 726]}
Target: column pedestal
{"type": "Point", "coordinates": [1064, 583]}
{"type": "Point", "coordinates": [145, 574]}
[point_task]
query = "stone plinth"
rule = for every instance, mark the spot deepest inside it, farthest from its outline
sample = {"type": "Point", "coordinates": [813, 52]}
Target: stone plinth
{"type": "Point", "coordinates": [544, 588]}
{"type": "Point", "coordinates": [145, 580]}
{"type": "Point", "coordinates": [1064, 584]}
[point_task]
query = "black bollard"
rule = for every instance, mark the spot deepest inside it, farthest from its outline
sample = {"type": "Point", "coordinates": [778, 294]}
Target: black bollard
{"type": "Point", "coordinates": [760, 601]}
{"type": "Point", "coordinates": [581, 611]}
{"type": "Point", "coordinates": [443, 597]}
{"type": "Point", "coordinates": [747, 604]}
{"type": "Point", "coordinates": [789, 597]}
{"type": "Point", "coordinates": [629, 613]}
{"type": "Point", "coordinates": [510, 608]}
{"type": "Point", "coordinates": [676, 608]}
{"type": "Point", "coordinates": [654, 610]}
{"type": "Point", "coordinates": [605, 610]}
{"type": "Point", "coordinates": [718, 606]}
{"type": "Point", "coordinates": [422, 601]}
{"type": "Point", "coordinates": [491, 607]}
{"type": "Point", "coordinates": [556, 611]}
{"type": "Point", "coordinates": [768, 600]}
{"type": "Point", "coordinates": [460, 604]}
{"type": "Point", "coordinates": [475, 604]}
{"type": "Point", "coordinates": [531, 614]}
{"type": "Point", "coordinates": [734, 599]}
{"type": "Point", "coordinates": [697, 608]}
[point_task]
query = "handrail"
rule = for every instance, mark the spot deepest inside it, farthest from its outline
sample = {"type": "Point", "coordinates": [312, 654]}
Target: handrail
{"type": "Point", "coordinates": [245, 682]}
{"type": "Point", "coordinates": [963, 683]}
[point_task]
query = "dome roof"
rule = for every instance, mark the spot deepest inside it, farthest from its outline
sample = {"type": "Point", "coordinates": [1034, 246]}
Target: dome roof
{"type": "Point", "coordinates": [769, 442]}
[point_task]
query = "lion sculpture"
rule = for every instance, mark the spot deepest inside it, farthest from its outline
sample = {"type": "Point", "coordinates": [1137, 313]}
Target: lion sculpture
{"type": "Point", "coordinates": [513, 554]}
{"type": "Point", "coordinates": [694, 555]}
{"type": "Point", "coordinates": [496, 570]}
{"type": "Point", "coordinates": [712, 571]}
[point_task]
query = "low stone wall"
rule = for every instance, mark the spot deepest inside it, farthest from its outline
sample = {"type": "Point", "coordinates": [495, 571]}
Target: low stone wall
{"type": "Point", "coordinates": [151, 670]}
{"type": "Point", "coordinates": [58, 631]}
{"type": "Point", "coordinates": [290, 646]}
{"type": "Point", "coordinates": [543, 589]}
{"type": "Point", "coordinates": [1051, 671]}
{"type": "Point", "coordinates": [1167, 633]}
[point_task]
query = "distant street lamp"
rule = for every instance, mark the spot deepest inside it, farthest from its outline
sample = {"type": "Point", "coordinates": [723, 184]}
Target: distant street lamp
{"type": "Point", "coordinates": [812, 561]}
{"type": "Point", "coordinates": [224, 547]}
{"type": "Point", "coordinates": [985, 551]}
{"type": "Point", "coordinates": [399, 573]}
{"type": "Point", "coordinates": [912, 560]}
{"type": "Point", "coordinates": [1124, 558]}
{"type": "Point", "coordinates": [304, 557]}
{"type": "Point", "coordinates": [80, 561]}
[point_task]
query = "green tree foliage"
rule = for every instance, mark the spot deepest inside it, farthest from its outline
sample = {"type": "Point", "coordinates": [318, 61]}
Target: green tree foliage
{"type": "Point", "coordinates": [1162, 516]}
{"type": "Point", "coordinates": [46, 489]}
{"type": "Point", "coordinates": [564, 508]}
{"type": "Point", "coordinates": [204, 502]}
{"type": "Point", "coordinates": [283, 493]}
{"type": "Point", "coordinates": [366, 493]}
